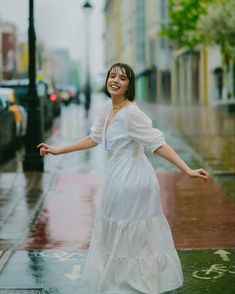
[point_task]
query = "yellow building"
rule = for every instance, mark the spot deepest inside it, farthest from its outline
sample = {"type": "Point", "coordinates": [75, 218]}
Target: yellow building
{"type": "Point", "coordinates": [23, 58]}
{"type": "Point", "coordinates": [125, 34]}
{"type": "Point", "coordinates": [112, 32]}
{"type": "Point", "coordinates": [197, 76]}
{"type": "Point", "coordinates": [164, 74]}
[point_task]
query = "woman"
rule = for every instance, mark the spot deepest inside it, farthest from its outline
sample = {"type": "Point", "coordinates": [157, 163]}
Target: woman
{"type": "Point", "coordinates": [131, 249]}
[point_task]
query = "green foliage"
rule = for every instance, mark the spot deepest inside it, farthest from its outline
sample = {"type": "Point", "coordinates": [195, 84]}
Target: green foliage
{"type": "Point", "coordinates": [194, 22]}
{"type": "Point", "coordinates": [184, 15]}
{"type": "Point", "coordinates": [218, 26]}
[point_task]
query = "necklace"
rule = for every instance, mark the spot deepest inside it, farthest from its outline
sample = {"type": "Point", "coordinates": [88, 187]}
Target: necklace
{"type": "Point", "coordinates": [117, 107]}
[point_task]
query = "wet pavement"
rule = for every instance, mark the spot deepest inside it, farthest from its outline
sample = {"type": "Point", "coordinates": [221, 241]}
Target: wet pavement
{"type": "Point", "coordinates": [203, 218]}
{"type": "Point", "coordinates": [46, 219]}
{"type": "Point", "coordinates": [57, 271]}
{"type": "Point", "coordinates": [67, 218]}
{"type": "Point", "coordinates": [208, 131]}
{"type": "Point", "coordinates": [21, 197]}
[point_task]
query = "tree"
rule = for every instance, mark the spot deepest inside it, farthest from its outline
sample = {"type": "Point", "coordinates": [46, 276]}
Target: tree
{"type": "Point", "coordinates": [184, 16]}
{"type": "Point", "coordinates": [218, 26]}
{"type": "Point", "coordinates": [207, 22]}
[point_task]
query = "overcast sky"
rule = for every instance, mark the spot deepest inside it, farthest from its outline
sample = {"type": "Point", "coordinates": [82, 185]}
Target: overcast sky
{"type": "Point", "coordinates": [60, 24]}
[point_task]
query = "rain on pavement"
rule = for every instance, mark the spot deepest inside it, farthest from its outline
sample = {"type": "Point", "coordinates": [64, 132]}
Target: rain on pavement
{"type": "Point", "coordinates": [46, 219]}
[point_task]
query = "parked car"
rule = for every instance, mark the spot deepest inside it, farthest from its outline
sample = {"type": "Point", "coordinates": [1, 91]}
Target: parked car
{"type": "Point", "coordinates": [68, 94]}
{"type": "Point", "coordinates": [52, 96]}
{"type": "Point", "coordinates": [7, 131]}
{"type": "Point", "coordinates": [9, 100]}
{"type": "Point", "coordinates": [65, 98]}
{"type": "Point", "coordinates": [21, 87]}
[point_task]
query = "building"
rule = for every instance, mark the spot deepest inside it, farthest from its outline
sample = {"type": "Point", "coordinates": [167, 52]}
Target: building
{"type": "Point", "coordinates": [124, 34]}
{"type": "Point", "coordinates": [8, 37]}
{"type": "Point", "coordinates": [158, 54]}
{"type": "Point", "coordinates": [132, 36]}
{"type": "Point", "coordinates": [58, 67]}
{"type": "Point", "coordinates": [23, 56]}
{"type": "Point", "coordinates": [164, 73]}
{"type": "Point", "coordinates": [112, 32]}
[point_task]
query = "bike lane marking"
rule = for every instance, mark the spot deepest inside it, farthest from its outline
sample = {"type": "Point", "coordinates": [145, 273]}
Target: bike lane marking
{"type": "Point", "coordinates": [60, 268]}
{"type": "Point", "coordinates": [47, 268]}
{"type": "Point", "coordinates": [214, 272]}
{"type": "Point", "coordinates": [44, 269]}
{"type": "Point", "coordinates": [224, 254]}
{"type": "Point", "coordinates": [205, 271]}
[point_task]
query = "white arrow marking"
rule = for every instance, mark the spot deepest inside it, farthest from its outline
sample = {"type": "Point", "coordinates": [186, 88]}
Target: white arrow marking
{"type": "Point", "coordinates": [75, 273]}
{"type": "Point", "coordinates": [223, 254]}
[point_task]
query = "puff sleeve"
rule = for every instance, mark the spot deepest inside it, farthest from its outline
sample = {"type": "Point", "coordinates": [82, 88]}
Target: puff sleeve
{"type": "Point", "coordinates": [141, 131]}
{"type": "Point", "coordinates": [97, 128]}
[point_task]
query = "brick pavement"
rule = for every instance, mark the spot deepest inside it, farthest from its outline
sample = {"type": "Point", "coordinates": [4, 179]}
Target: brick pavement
{"type": "Point", "coordinates": [199, 213]}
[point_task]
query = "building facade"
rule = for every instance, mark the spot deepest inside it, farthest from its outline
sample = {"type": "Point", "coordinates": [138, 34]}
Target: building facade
{"type": "Point", "coordinates": [132, 36]}
{"type": "Point", "coordinates": [112, 32]}
{"type": "Point", "coordinates": [59, 67]}
{"type": "Point", "coordinates": [8, 36]}
{"type": "Point", "coordinates": [23, 56]}
{"type": "Point", "coordinates": [164, 74]}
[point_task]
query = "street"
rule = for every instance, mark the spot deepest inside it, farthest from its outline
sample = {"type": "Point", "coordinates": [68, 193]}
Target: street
{"type": "Point", "coordinates": [47, 218]}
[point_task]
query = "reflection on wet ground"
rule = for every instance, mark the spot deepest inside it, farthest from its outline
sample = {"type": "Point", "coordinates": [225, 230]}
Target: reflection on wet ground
{"type": "Point", "coordinates": [199, 213]}
{"type": "Point", "coordinates": [198, 134]}
{"type": "Point", "coordinates": [48, 217]}
{"type": "Point", "coordinates": [67, 218]}
{"type": "Point", "coordinates": [206, 133]}
{"type": "Point", "coordinates": [58, 272]}
{"type": "Point", "coordinates": [23, 194]}
{"type": "Point", "coordinates": [21, 198]}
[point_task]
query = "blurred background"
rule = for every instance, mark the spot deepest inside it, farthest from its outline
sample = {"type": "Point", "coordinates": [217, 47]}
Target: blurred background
{"type": "Point", "coordinates": [54, 55]}
{"type": "Point", "coordinates": [182, 52]}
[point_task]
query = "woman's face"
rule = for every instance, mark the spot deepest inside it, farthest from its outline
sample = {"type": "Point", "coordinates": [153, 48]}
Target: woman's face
{"type": "Point", "coordinates": [117, 83]}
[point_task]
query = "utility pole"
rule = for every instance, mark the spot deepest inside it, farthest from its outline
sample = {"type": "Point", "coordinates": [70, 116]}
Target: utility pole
{"type": "Point", "coordinates": [87, 90]}
{"type": "Point", "coordinates": [32, 159]}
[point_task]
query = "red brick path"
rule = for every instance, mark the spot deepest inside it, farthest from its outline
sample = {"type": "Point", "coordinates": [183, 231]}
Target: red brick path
{"type": "Point", "coordinates": [199, 213]}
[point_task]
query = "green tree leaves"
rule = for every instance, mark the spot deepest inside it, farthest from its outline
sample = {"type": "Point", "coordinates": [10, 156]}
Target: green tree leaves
{"type": "Point", "coordinates": [184, 16]}
{"type": "Point", "coordinates": [194, 22]}
{"type": "Point", "coordinates": [218, 26]}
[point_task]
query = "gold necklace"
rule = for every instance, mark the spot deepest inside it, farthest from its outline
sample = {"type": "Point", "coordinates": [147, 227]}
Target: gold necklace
{"type": "Point", "coordinates": [117, 107]}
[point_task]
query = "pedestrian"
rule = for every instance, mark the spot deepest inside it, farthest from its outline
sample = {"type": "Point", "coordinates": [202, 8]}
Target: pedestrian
{"type": "Point", "coordinates": [131, 249]}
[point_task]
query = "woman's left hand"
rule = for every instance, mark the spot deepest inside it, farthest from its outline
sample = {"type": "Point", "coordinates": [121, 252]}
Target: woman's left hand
{"type": "Point", "coordinates": [198, 173]}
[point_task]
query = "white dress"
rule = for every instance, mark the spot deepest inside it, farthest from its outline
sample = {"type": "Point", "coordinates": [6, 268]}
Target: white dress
{"type": "Point", "coordinates": [131, 249]}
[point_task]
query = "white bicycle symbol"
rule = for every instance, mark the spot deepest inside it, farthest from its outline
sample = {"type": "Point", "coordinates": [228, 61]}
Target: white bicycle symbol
{"type": "Point", "coordinates": [59, 255]}
{"type": "Point", "coordinates": [214, 272]}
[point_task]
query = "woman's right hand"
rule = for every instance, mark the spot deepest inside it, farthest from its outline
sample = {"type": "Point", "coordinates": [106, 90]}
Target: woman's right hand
{"type": "Point", "coordinates": [45, 149]}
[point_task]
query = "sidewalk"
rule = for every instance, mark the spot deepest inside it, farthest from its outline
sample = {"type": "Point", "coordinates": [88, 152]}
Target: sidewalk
{"type": "Point", "coordinates": [46, 219]}
{"type": "Point", "coordinates": [200, 214]}
{"type": "Point", "coordinates": [209, 132]}
{"type": "Point", "coordinates": [202, 219]}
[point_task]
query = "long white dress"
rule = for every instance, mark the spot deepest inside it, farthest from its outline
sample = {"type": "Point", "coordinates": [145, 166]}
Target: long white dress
{"type": "Point", "coordinates": [131, 249]}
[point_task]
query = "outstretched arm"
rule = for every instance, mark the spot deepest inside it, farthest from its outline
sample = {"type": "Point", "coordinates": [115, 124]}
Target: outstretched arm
{"type": "Point", "coordinates": [167, 152]}
{"type": "Point", "coordinates": [84, 143]}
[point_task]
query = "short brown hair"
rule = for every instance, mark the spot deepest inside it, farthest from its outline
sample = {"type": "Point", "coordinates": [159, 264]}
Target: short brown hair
{"type": "Point", "coordinates": [130, 93]}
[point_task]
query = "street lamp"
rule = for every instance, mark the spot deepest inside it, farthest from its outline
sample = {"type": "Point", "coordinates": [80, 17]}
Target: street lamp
{"type": "Point", "coordinates": [32, 159]}
{"type": "Point", "coordinates": [87, 89]}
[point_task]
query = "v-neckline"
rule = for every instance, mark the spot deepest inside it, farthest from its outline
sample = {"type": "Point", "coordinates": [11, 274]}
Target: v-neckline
{"type": "Point", "coordinates": [107, 125]}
